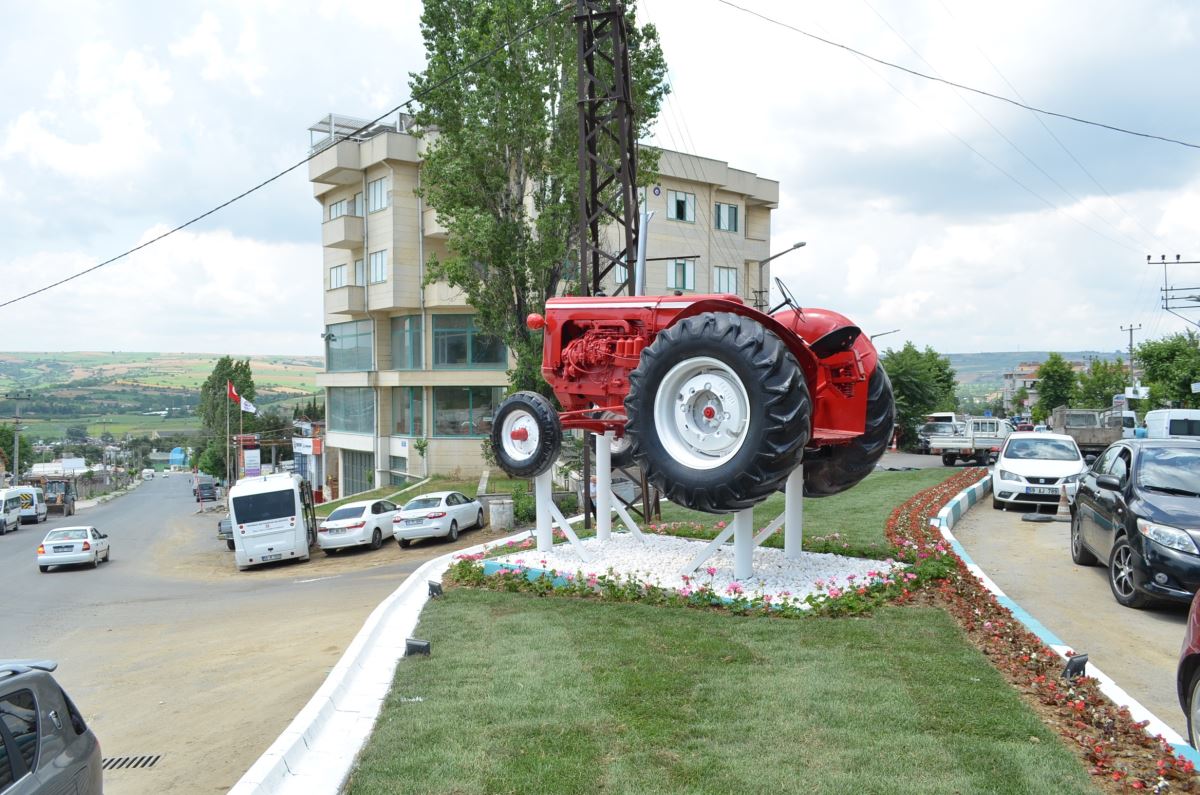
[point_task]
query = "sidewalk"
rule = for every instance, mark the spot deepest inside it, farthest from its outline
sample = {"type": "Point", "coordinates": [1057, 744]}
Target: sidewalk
{"type": "Point", "coordinates": [103, 498]}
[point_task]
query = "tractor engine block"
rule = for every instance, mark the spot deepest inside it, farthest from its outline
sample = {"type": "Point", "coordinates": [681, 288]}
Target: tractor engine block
{"type": "Point", "coordinates": [598, 362]}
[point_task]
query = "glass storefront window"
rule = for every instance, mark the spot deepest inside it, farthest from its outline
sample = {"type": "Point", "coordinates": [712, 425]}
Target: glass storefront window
{"type": "Point", "coordinates": [458, 343]}
{"type": "Point", "coordinates": [348, 346]}
{"type": "Point", "coordinates": [408, 411]}
{"type": "Point", "coordinates": [464, 410]}
{"type": "Point", "coordinates": [351, 409]}
{"type": "Point", "coordinates": [406, 343]}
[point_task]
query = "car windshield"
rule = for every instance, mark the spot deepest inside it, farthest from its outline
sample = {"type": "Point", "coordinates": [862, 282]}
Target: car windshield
{"type": "Point", "coordinates": [423, 503]}
{"type": "Point", "coordinates": [77, 534]}
{"type": "Point", "coordinates": [1170, 469]}
{"type": "Point", "coordinates": [346, 513]}
{"type": "Point", "coordinates": [55, 488]}
{"type": "Point", "coordinates": [1042, 449]}
{"type": "Point", "coordinates": [933, 428]}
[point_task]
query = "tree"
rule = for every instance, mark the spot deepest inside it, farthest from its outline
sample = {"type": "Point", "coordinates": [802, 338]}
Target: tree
{"type": "Point", "coordinates": [1102, 380]}
{"type": "Point", "coordinates": [1020, 398]}
{"type": "Point", "coordinates": [215, 402]}
{"type": "Point", "coordinates": [1170, 366]}
{"type": "Point", "coordinates": [6, 445]}
{"type": "Point", "coordinates": [922, 381]}
{"type": "Point", "coordinates": [1056, 384]}
{"type": "Point", "coordinates": [501, 171]}
{"type": "Point", "coordinates": [77, 433]}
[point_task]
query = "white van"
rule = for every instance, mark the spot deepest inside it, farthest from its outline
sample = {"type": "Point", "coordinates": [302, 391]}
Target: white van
{"type": "Point", "coordinates": [272, 519]}
{"type": "Point", "coordinates": [147, 474]}
{"type": "Point", "coordinates": [10, 510]}
{"type": "Point", "coordinates": [1173, 424]}
{"type": "Point", "coordinates": [33, 504]}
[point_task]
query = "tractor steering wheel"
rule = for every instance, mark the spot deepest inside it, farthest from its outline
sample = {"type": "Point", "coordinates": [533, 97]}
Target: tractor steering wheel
{"type": "Point", "coordinates": [788, 300]}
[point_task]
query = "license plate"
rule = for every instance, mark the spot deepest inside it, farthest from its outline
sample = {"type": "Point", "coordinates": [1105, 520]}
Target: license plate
{"type": "Point", "coordinates": [1041, 490]}
{"type": "Point", "coordinates": [269, 558]}
{"type": "Point", "coordinates": [413, 521]}
{"type": "Point", "coordinates": [337, 531]}
{"type": "Point", "coordinates": [66, 548]}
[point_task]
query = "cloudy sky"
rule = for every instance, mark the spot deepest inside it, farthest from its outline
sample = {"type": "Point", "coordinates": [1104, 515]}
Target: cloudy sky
{"type": "Point", "coordinates": [968, 224]}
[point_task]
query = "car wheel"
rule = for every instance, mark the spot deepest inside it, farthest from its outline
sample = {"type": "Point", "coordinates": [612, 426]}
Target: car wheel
{"type": "Point", "coordinates": [376, 539]}
{"type": "Point", "coordinates": [108, 555]}
{"type": "Point", "coordinates": [1079, 553]}
{"type": "Point", "coordinates": [1193, 710]}
{"type": "Point", "coordinates": [43, 569]}
{"type": "Point", "coordinates": [1120, 576]}
{"type": "Point", "coordinates": [328, 552]}
{"type": "Point", "coordinates": [846, 465]}
{"type": "Point", "coordinates": [948, 460]}
{"type": "Point", "coordinates": [719, 412]}
{"type": "Point", "coordinates": [997, 504]}
{"type": "Point", "coordinates": [96, 561]}
{"type": "Point", "coordinates": [229, 543]}
{"type": "Point", "coordinates": [404, 543]}
{"type": "Point", "coordinates": [479, 519]}
{"type": "Point", "coordinates": [453, 534]}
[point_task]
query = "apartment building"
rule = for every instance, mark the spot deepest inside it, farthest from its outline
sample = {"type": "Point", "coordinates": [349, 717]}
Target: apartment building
{"type": "Point", "coordinates": [410, 381]}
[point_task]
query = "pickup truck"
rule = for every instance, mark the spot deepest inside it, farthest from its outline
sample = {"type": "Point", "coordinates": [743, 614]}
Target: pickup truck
{"type": "Point", "coordinates": [225, 532]}
{"type": "Point", "coordinates": [976, 439]}
{"type": "Point", "coordinates": [1092, 429]}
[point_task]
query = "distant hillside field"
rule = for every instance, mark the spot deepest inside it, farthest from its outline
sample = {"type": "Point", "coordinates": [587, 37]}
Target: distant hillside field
{"type": "Point", "coordinates": [988, 369]}
{"type": "Point", "coordinates": [118, 388]}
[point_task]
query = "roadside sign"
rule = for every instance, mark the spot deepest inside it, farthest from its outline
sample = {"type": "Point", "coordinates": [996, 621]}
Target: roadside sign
{"type": "Point", "coordinates": [1196, 388]}
{"type": "Point", "coordinates": [1137, 392]}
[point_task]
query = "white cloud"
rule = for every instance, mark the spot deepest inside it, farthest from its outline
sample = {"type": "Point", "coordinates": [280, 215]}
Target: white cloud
{"type": "Point", "coordinates": [242, 63]}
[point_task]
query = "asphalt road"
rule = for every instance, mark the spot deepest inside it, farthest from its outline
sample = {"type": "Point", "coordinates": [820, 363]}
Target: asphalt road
{"type": "Point", "coordinates": [169, 650]}
{"type": "Point", "coordinates": [1031, 562]}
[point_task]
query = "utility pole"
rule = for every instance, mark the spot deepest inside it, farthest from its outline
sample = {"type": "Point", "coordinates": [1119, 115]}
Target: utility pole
{"type": "Point", "coordinates": [1173, 298]}
{"type": "Point", "coordinates": [16, 398]}
{"type": "Point", "coordinates": [1132, 328]}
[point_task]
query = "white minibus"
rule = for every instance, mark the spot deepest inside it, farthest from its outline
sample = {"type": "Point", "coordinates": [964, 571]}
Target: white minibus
{"type": "Point", "coordinates": [1173, 424]}
{"type": "Point", "coordinates": [272, 518]}
{"type": "Point", "coordinates": [33, 504]}
{"type": "Point", "coordinates": [10, 510]}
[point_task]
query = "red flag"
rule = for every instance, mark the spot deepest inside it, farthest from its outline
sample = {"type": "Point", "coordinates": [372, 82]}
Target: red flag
{"type": "Point", "coordinates": [233, 395]}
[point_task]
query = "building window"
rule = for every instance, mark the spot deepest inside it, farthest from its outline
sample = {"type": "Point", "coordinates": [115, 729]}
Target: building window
{"type": "Point", "coordinates": [726, 217]}
{"type": "Point", "coordinates": [377, 260]}
{"type": "Point", "coordinates": [620, 276]}
{"type": "Point", "coordinates": [408, 411]}
{"type": "Point", "coordinates": [377, 195]}
{"type": "Point", "coordinates": [457, 343]}
{"type": "Point", "coordinates": [337, 209]}
{"type": "Point", "coordinates": [348, 346]}
{"type": "Point", "coordinates": [358, 205]}
{"type": "Point", "coordinates": [358, 272]}
{"type": "Point", "coordinates": [397, 469]}
{"type": "Point", "coordinates": [464, 410]}
{"type": "Point", "coordinates": [358, 472]}
{"type": "Point", "coordinates": [352, 409]}
{"type": "Point", "coordinates": [337, 277]}
{"type": "Point", "coordinates": [681, 206]}
{"type": "Point", "coordinates": [725, 280]}
{"type": "Point", "coordinates": [406, 343]}
{"type": "Point", "coordinates": [681, 274]}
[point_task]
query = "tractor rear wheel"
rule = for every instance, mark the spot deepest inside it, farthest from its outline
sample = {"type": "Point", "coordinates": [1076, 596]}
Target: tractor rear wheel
{"type": "Point", "coordinates": [526, 435]}
{"type": "Point", "coordinates": [845, 465]}
{"type": "Point", "coordinates": [719, 412]}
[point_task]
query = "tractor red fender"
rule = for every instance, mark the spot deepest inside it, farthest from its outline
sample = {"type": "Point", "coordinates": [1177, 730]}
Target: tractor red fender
{"type": "Point", "coordinates": [812, 323]}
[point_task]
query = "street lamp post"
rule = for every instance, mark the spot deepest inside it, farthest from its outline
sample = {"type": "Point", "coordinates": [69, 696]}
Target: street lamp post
{"type": "Point", "coordinates": [763, 262]}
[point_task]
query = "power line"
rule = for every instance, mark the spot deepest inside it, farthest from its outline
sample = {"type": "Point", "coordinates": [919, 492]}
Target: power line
{"type": "Point", "coordinates": [953, 84]}
{"type": "Point", "coordinates": [449, 78]}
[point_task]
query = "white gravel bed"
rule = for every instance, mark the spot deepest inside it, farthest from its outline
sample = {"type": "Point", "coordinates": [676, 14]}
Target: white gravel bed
{"type": "Point", "coordinates": [661, 558]}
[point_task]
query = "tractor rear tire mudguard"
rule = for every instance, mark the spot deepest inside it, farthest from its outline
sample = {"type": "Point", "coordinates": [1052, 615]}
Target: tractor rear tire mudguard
{"type": "Point", "coordinates": [846, 465]}
{"type": "Point", "coordinates": [718, 412]}
{"type": "Point", "coordinates": [526, 435]}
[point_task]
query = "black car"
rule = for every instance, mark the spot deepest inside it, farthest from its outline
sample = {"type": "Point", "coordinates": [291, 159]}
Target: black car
{"type": "Point", "coordinates": [45, 746]}
{"type": "Point", "coordinates": [1138, 511]}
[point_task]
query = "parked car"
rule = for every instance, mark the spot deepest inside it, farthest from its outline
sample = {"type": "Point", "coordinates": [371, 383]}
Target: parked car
{"type": "Point", "coordinates": [69, 545]}
{"type": "Point", "coordinates": [356, 524]}
{"type": "Point", "coordinates": [1138, 511]}
{"type": "Point", "coordinates": [1032, 469]}
{"type": "Point", "coordinates": [206, 492]}
{"type": "Point", "coordinates": [225, 532]}
{"type": "Point", "coordinates": [933, 429]}
{"type": "Point", "coordinates": [440, 514]}
{"type": "Point", "coordinates": [1024, 426]}
{"type": "Point", "coordinates": [45, 745]}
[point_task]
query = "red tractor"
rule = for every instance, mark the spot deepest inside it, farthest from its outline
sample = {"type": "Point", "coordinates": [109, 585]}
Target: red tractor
{"type": "Point", "coordinates": [716, 401]}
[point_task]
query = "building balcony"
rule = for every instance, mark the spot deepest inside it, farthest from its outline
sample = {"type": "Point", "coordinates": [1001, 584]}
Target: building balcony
{"type": "Point", "coordinates": [430, 223]}
{"type": "Point", "coordinates": [337, 165]}
{"type": "Point", "coordinates": [346, 300]}
{"type": "Point", "coordinates": [343, 232]}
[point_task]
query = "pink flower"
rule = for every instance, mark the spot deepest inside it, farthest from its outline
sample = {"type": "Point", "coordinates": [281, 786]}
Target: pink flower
{"type": "Point", "coordinates": [850, 578]}
{"type": "Point", "coordinates": [834, 593]}
{"type": "Point", "coordinates": [712, 571]}
{"type": "Point", "coordinates": [685, 592]}
{"type": "Point", "coordinates": [720, 525]}
{"type": "Point", "coordinates": [734, 588]}
{"type": "Point", "coordinates": [819, 584]}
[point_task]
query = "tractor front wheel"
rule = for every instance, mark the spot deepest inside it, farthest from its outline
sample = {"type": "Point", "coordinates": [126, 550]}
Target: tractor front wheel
{"type": "Point", "coordinates": [526, 435]}
{"type": "Point", "coordinates": [845, 465]}
{"type": "Point", "coordinates": [719, 412]}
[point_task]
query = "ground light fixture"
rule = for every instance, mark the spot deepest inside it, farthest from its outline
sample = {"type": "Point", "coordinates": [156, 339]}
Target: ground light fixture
{"type": "Point", "coordinates": [435, 589]}
{"type": "Point", "coordinates": [1075, 667]}
{"type": "Point", "coordinates": [414, 646]}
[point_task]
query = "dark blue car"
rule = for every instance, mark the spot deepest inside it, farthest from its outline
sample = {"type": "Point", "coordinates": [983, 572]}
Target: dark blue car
{"type": "Point", "coordinates": [1138, 511]}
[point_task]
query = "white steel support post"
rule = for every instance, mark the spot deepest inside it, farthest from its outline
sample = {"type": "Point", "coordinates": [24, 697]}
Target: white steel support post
{"type": "Point", "coordinates": [604, 486]}
{"type": "Point", "coordinates": [743, 544]}
{"type": "Point", "coordinates": [793, 514]}
{"type": "Point", "coordinates": [543, 500]}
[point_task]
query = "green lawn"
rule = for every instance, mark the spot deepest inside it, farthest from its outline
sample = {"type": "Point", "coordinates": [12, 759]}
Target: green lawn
{"type": "Point", "coordinates": [530, 695]}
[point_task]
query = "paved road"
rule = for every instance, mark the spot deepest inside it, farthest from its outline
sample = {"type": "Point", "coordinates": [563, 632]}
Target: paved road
{"type": "Point", "coordinates": [169, 650]}
{"type": "Point", "coordinates": [1031, 562]}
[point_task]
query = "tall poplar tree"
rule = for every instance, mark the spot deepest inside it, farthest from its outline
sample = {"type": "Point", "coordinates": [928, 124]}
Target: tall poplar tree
{"type": "Point", "coordinates": [501, 169]}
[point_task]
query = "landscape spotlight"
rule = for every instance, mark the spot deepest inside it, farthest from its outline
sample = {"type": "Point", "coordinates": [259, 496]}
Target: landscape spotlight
{"type": "Point", "coordinates": [435, 588]}
{"type": "Point", "coordinates": [413, 646]}
{"type": "Point", "coordinates": [1075, 666]}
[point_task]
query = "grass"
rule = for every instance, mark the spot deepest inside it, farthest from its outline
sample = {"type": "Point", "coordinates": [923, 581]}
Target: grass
{"type": "Point", "coordinates": [116, 424]}
{"type": "Point", "coordinates": [536, 695]}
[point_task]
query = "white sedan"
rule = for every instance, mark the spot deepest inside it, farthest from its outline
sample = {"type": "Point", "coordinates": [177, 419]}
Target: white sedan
{"type": "Point", "coordinates": [356, 524]}
{"type": "Point", "coordinates": [1034, 467]}
{"type": "Point", "coordinates": [68, 545]}
{"type": "Point", "coordinates": [440, 514]}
